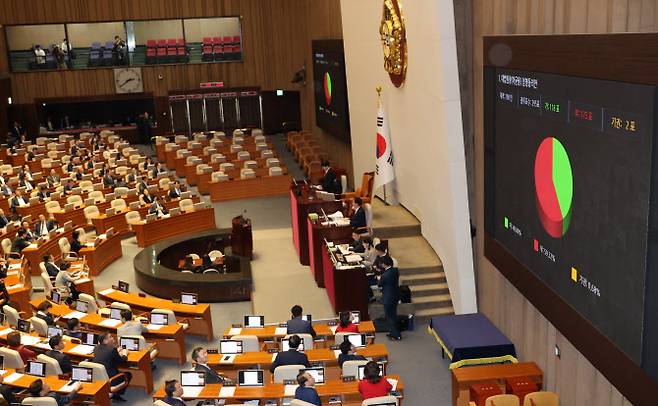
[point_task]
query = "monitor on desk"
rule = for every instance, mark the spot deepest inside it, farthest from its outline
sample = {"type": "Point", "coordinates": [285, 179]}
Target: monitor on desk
{"type": "Point", "coordinates": [316, 373]}
{"type": "Point", "coordinates": [123, 286]}
{"type": "Point", "coordinates": [36, 368]}
{"type": "Point", "coordinates": [285, 345]}
{"type": "Point", "coordinates": [230, 347]}
{"type": "Point", "coordinates": [129, 343]}
{"type": "Point", "coordinates": [89, 338]}
{"type": "Point", "coordinates": [357, 340]}
{"type": "Point", "coordinates": [254, 321]}
{"type": "Point", "coordinates": [82, 374]}
{"type": "Point", "coordinates": [23, 326]}
{"type": "Point", "coordinates": [356, 316]}
{"type": "Point", "coordinates": [55, 297]}
{"type": "Point", "coordinates": [159, 319]}
{"type": "Point", "coordinates": [174, 212]}
{"type": "Point", "coordinates": [76, 191]}
{"type": "Point", "coordinates": [115, 313]}
{"type": "Point", "coordinates": [82, 306]}
{"type": "Point", "coordinates": [54, 331]}
{"type": "Point", "coordinates": [188, 298]}
{"type": "Point", "coordinates": [192, 378]}
{"type": "Point", "coordinates": [362, 370]}
{"type": "Point", "coordinates": [251, 377]}
{"type": "Point", "coordinates": [308, 318]}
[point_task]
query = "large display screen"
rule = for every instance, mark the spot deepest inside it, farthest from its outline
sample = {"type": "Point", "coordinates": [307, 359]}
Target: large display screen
{"type": "Point", "coordinates": [569, 183]}
{"type": "Point", "coordinates": [331, 110]}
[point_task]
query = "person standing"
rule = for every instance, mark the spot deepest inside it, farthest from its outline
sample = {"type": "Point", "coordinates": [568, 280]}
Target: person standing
{"type": "Point", "coordinates": [39, 56]}
{"type": "Point", "coordinates": [389, 283]}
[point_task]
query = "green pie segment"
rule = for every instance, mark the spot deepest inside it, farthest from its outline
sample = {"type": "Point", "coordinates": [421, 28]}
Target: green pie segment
{"type": "Point", "coordinates": [553, 187]}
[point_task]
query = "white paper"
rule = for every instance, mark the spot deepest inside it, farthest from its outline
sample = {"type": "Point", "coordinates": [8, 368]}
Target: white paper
{"type": "Point", "coordinates": [13, 377]}
{"type": "Point", "coordinates": [234, 331]}
{"type": "Point", "coordinates": [12, 273]}
{"type": "Point", "coordinates": [274, 356]}
{"type": "Point", "coordinates": [68, 388]}
{"type": "Point", "coordinates": [29, 340]}
{"type": "Point", "coordinates": [393, 382]}
{"type": "Point", "coordinates": [43, 345]}
{"type": "Point", "coordinates": [154, 327]}
{"type": "Point", "coordinates": [192, 391]}
{"type": "Point", "coordinates": [33, 246]}
{"type": "Point", "coordinates": [6, 331]}
{"type": "Point", "coordinates": [14, 266]}
{"type": "Point", "coordinates": [83, 349]}
{"type": "Point", "coordinates": [333, 329]}
{"type": "Point", "coordinates": [337, 353]}
{"type": "Point", "coordinates": [230, 360]}
{"type": "Point", "coordinates": [110, 323]}
{"type": "Point", "coordinates": [281, 331]}
{"type": "Point", "coordinates": [353, 258]}
{"type": "Point", "coordinates": [106, 291]}
{"type": "Point", "coordinates": [227, 392]}
{"type": "Point", "coordinates": [89, 244]}
{"type": "Point", "coordinates": [344, 249]}
{"type": "Point", "coordinates": [82, 280]}
{"type": "Point", "coordinates": [289, 390]}
{"type": "Point", "coordinates": [74, 314]}
{"type": "Point", "coordinates": [16, 286]}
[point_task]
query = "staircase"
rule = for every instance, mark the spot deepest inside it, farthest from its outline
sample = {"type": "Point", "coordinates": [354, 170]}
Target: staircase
{"type": "Point", "coordinates": [420, 267]}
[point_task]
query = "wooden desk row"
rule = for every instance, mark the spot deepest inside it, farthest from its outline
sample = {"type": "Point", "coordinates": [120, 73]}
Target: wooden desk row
{"type": "Point", "coordinates": [272, 332]}
{"type": "Point", "coordinates": [150, 233]}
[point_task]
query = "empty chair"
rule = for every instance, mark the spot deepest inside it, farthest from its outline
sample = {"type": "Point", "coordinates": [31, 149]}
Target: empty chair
{"type": "Point", "coordinates": [238, 140]}
{"type": "Point", "coordinates": [218, 177]}
{"type": "Point", "coordinates": [214, 254]}
{"type": "Point", "coordinates": [286, 372]}
{"type": "Point", "coordinates": [91, 212]}
{"type": "Point", "coordinates": [182, 153]}
{"type": "Point", "coordinates": [180, 138]}
{"type": "Point", "coordinates": [87, 185]}
{"type": "Point", "coordinates": [381, 400]}
{"type": "Point", "coordinates": [249, 342]}
{"type": "Point", "coordinates": [99, 374]}
{"type": "Point", "coordinates": [118, 204]}
{"type": "Point", "coordinates": [247, 174]}
{"type": "Point", "coordinates": [53, 207]}
{"type": "Point", "coordinates": [97, 195]}
{"type": "Point", "coordinates": [261, 146]}
{"type": "Point", "coordinates": [6, 246]}
{"type": "Point", "coordinates": [12, 315]}
{"type": "Point", "coordinates": [503, 400]}
{"type": "Point", "coordinates": [237, 132]}
{"type": "Point", "coordinates": [143, 344]}
{"type": "Point", "coordinates": [65, 248]}
{"type": "Point", "coordinates": [39, 325]}
{"type": "Point", "coordinates": [236, 148]}
{"type": "Point", "coordinates": [164, 183]}
{"type": "Point", "coordinates": [275, 171]}
{"type": "Point", "coordinates": [542, 398]}
{"type": "Point", "coordinates": [52, 365]}
{"type": "Point", "coordinates": [12, 359]}
{"type": "Point", "coordinates": [201, 168]}
{"type": "Point", "coordinates": [244, 156]}
{"type": "Point", "coordinates": [41, 400]}
{"type": "Point", "coordinates": [217, 158]}
{"type": "Point", "coordinates": [250, 164]}
{"type": "Point", "coordinates": [75, 199]}
{"type": "Point", "coordinates": [351, 368]}
{"type": "Point", "coordinates": [257, 133]}
{"type": "Point", "coordinates": [186, 205]}
{"type": "Point", "coordinates": [226, 166]}
{"type": "Point", "coordinates": [267, 153]}
{"type": "Point", "coordinates": [270, 162]}
{"type": "Point", "coordinates": [121, 191]}
{"type": "Point", "coordinates": [133, 217]}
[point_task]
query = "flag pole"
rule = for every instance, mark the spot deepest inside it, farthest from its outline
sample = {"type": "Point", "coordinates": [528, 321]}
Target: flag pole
{"type": "Point", "coordinates": [379, 102]}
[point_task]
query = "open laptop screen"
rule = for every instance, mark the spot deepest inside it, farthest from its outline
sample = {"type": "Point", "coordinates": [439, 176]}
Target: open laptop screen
{"type": "Point", "coordinates": [252, 377]}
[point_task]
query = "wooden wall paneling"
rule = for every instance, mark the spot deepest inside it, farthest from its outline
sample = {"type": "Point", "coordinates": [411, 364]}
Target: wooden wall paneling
{"type": "Point", "coordinates": [547, 16]}
{"type": "Point", "coordinates": [577, 17]}
{"type": "Point", "coordinates": [559, 20]}
{"type": "Point", "coordinates": [634, 15]}
{"type": "Point", "coordinates": [597, 16]}
{"type": "Point", "coordinates": [647, 15]}
{"type": "Point", "coordinates": [4, 62]}
{"type": "Point", "coordinates": [618, 16]}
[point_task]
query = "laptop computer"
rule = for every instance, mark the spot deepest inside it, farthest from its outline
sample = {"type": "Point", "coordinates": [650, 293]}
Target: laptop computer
{"type": "Point", "coordinates": [82, 374]}
{"type": "Point", "coordinates": [129, 343]}
{"type": "Point", "coordinates": [356, 316]}
{"type": "Point", "coordinates": [23, 326]}
{"type": "Point", "coordinates": [89, 338]}
{"type": "Point", "coordinates": [251, 377]}
{"type": "Point", "coordinates": [307, 317]}
{"type": "Point", "coordinates": [115, 313]}
{"type": "Point", "coordinates": [316, 373]}
{"type": "Point", "coordinates": [362, 368]}
{"type": "Point", "coordinates": [123, 286]}
{"type": "Point", "coordinates": [159, 319]}
{"type": "Point", "coordinates": [357, 340]}
{"type": "Point", "coordinates": [82, 306]}
{"type": "Point", "coordinates": [254, 321]}
{"type": "Point", "coordinates": [54, 331]}
{"type": "Point", "coordinates": [188, 298]}
{"type": "Point", "coordinates": [230, 347]}
{"type": "Point", "coordinates": [36, 368]}
{"type": "Point", "coordinates": [192, 382]}
{"type": "Point", "coordinates": [285, 345]}
{"type": "Point", "coordinates": [55, 297]}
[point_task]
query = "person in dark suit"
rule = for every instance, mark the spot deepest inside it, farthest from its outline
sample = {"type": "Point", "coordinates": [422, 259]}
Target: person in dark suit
{"type": "Point", "coordinates": [16, 134]}
{"type": "Point", "coordinates": [53, 179]}
{"type": "Point", "coordinates": [50, 265]}
{"type": "Point", "coordinates": [29, 235]}
{"type": "Point", "coordinates": [43, 312]}
{"type": "Point", "coordinates": [329, 181]}
{"type": "Point", "coordinates": [292, 356]}
{"type": "Point", "coordinates": [5, 189]}
{"type": "Point", "coordinates": [108, 180]}
{"type": "Point", "coordinates": [306, 390]}
{"type": "Point", "coordinates": [78, 174]}
{"type": "Point", "coordinates": [347, 353]}
{"type": "Point", "coordinates": [106, 353]}
{"type": "Point", "coordinates": [76, 245]}
{"type": "Point", "coordinates": [174, 392]}
{"type": "Point", "coordinates": [158, 208]}
{"type": "Point", "coordinates": [358, 218]}
{"type": "Point", "coordinates": [297, 325]}
{"type": "Point", "coordinates": [42, 194]}
{"type": "Point", "coordinates": [43, 226]}
{"type": "Point", "coordinates": [40, 388]}
{"type": "Point", "coordinates": [200, 358]}
{"type": "Point", "coordinates": [146, 197]}
{"type": "Point", "coordinates": [157, 169]}
{"type": "Point", "coordinates": [356, 245]}
{"type": "Point", "coordinates": [20, 242]}
{"type": "Point", "coordinates": [17, 201]}
{"type": "Point", "coordinates": [142, 185]}
{"type": "Point", "coordinates": [389, 283]}
{"type": "Point", "coordinates": [57, 345]}
{"type": "Point", "coordinates": [68, 187]}
{"type": "Point", "coordinates": [175, 191]}
{"type": "Point", "coordinates": [73, 328]}
{"type": "Point", "coordinates": [3, 219]}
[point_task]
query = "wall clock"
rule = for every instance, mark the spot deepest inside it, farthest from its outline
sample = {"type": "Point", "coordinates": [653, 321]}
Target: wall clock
{"type": "Point", "coordinates": [394, 41]}
{"type": "Point", "coordinates": [128, 80]}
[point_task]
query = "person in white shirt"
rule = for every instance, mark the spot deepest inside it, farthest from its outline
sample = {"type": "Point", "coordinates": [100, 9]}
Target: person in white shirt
{"type": "Point", "coordinates": [66, 46]}
{"type": "Point", "coordinates": [130, 327]}
{"type": "Point", "coordinates": [40, 55]}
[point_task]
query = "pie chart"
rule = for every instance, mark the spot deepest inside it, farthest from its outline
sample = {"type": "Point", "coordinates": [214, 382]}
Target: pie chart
{"type": "Point", "coordinates": [553, 187]}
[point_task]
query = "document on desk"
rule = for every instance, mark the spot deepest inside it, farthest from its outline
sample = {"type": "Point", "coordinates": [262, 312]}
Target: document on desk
{"type": "Point", "coordinates": [281, 331]}
{"type": "Point", "coordinates": [192, 391]}
{"type": "Point", "coordinates": [74, 314]}
{"type": "Point", "coordinates": [234, 331]}
{"type": "Point", "coordinates": [227, 392]}
{"type": "Point", "coordinates": [43, 345]}
{"type": "Point", "coordinates": [106, 291]}
{"type": "Point", "coordinates": [82, 280]}
{"type": "Point", "coordinates": [32, 246]}
{"type": "Point", "coordinates": [154, 327]}
{"type": "Point", "coordinates": [6, 331]}
{"type": "Point", "coordinates": [393, 382]}
{"type": "Point", "coordinates": [29, 340]}
{"type": "Point", "coordinates": [13, 377]}
{"type": "Point", "coordinates": [110, 323]}
{"type": "Point", "coordinates": [344, 249]}
{"type": "Point", "coordinates": [353, 258]}
{"type": "Point", "coordinates": [69, 387]}
{"type": "Point", "coordinates": [15, 266]}
{"type": "Point", "coordinates": [83, 349]}
{"type": "Point", "coordinates": [227, 359]}
{"type": "Point", "coordinates": [289, 390]}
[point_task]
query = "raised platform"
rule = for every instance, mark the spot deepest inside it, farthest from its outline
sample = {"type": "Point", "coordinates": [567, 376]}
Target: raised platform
{"type": "Point", "coordinates": [156, 269]}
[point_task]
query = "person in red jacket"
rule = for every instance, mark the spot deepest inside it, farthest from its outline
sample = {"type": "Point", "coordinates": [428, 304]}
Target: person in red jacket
{"type": "Point", "coordinates": [14, 343]}
{"type": "Point", "coordinates": [373, 385]}
{"type": "Point", "coordinates": [345, 324]}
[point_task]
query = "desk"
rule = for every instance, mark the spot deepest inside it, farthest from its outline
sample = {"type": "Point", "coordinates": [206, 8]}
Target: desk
{"type": "Point", "coordinates": [346, 288]}
{"type": "Point", "coordinates": [150, 233]}
{"type": "Point", "coordinates": [19, 285]}
{"type": "Point", "coordinates": [77, 216]}
{"type": "Point", "coordinates": [463, 378]}
{"type": "Point", "coordinates": [300, 206]}
{"type": "Point", "coordinates": [198, 316]}
{"type": "Point", "coordinates": [265, 186]}
{"type": "Point", "coordinates": [170, 339]}
{"type": "Point", "coordinates": [270, 332]}
{"type": "Point", "coordinates": [98, 257]}
{"type": "Point", "coordinates": [98, 391]}
{"type": "Point", "coordinates": [34, 254]}
{"type": "Point", "coordinates": [277, 390]}
{"type": "Point", "coordinates": [317, 234]}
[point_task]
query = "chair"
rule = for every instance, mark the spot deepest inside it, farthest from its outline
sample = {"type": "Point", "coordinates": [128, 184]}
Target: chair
{"type": "Point", "coordinates": [351, 368]}
{"type": "Point", "coordinates": [52, 366]}
{"type": "Point", "coordinates": [214, 254]}
{"type": "Point", "coordinates": [118, 204]}
{"type": "Point", "coordinates": [39, 401]}
{"type": "Point", "coordinates": [249, 342]}
{"type": "Point", "coordinates": [270, 162]}
{"type": "Point", "coordinates": [275, 171]}
{"type": "Point", "coordinates": [542, 398]}
{"type": "Point", "coordinates": [100, 374]}
{"type": "Point", "coordinates": [236, 148]}
{"type": "Point", "coordinates": [86, 185]}
{"type": "Point", "coordinates": [244, 156]}
{"type": "Point", "coordinates": [367, 230]}
{"type": "Point", "coordinates": [53, 207]}
{"type": "Point", "coordinates": [6, 246]}
{"type": "Point", "coordinates": [143, 344]}
{"type": "Point", "coordinates": [226, 167]}
{"type": "Point", "coordinates": [39, 325]}
{"type": "Point", "coordinates": [218, 177]}
{"type": "Point", "coordinates": [65, 248]}
{"type": "Point", "coordinates": [49, 287]}
{"type": "Point", "coordinates": [133, 217]}
{"type": "Point", "coordinates": [91, 212]}
{"type": "Point", "coordinates": [381, 400]}
{"type": "Point", "coordinates": [286, 372]}
{"type": "Point", "coordinates": [12, 359]}
{"type": "Point", "coordinates": [75, 199]}
{"type": "Point", "coordinates": [97, 195]}
{"type": "Point", "coordinates": [247, 174]}
{"type": "Point", "coordinates": [297, 402]}
{"type": "Point", "coordinates": [12, 315]}
{"type": "Point", "coordinates": [121, 191]}
{"type": "Point", "coordinates": [250, 164]}
{"type": "Point", "coordinates": [186, 205]}
{"type": "Point", "coordinates": [211, 270]}
{"type": "Point", "coordinates": [365, 191]}
{"type": "Point", "coordinates": [503, 400]}
{"type": "Point", "coordinates": [306, 338]}
{"type": "Point", "coordinates": [92, 306]}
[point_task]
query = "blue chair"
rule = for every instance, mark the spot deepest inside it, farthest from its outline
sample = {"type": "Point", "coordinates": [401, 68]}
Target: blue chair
{"type": "Point", "coordinates": [109, 45]}
{"type": "Point", "coordinates": [96, 45]}
{"type": "Point", "coordinates": [94, 58]}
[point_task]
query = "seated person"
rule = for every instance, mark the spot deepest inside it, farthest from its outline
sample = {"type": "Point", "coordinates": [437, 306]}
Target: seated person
{"type": "Point", "coordinates": [108, 180]}
{"type": "Point", "coordinates": [14, 343]}
{"type": "Point", "coordinates": [158, 208]}
{"type": "Point", "coordinates": [43, 226]}
{"type": "Point", "coordinates": [306, 389]}
{"type": "Point", "coordinates": [76, 245]}
{"type": "Point", "coordinates": [57, 345]}
{"type": "Point", "coordinates": [53, 179]}
{"type": "Point", "coordinates": [4, 220]}
{"type": "Point", "coordinates": [174, 392]}
{"type": "Point", "coordinates": [42, 194]}
{"type": "Point", "coordinates": [189, 265]}
{"type": "Point", "coordinates": [17, 201]}
{"type": "Point", "coordinates": [347, 353]}
{"type": "Point", "coordinates": [345, 324]}
{"type": "Point", "coordinates": [73, 328]}
{"type": "Point", "coordinates": [43, 312]}
{"type": "Point", "coordinates": [369, 253]}
{"type": "Point", "coordinates": [29, 235]}
{"type": "Point", "coordinates": [7, 393]}
{"type": "Point", "coordinates": [175, 191]}
{"type": "Point", "coordinates": [106, 353]}
{"type": "Point", "coordinates": [64, 278]}
{"type": "Point", "coordinates": [146, 197]}
{"type": "Point", "coordinates": [40, 389]}
{"type": "Point", "coordinates": [373, 385]}
{"type": "Point", "coordinates": [20, 242]}
{"type": "Point", "coordinates": [292, 356]}
{"type": "Point", "coordinates": [200, 359]}
{"type": "Point", "coordinates": [358, 217]}
{"type": "Point", "coordinates": [130, 327]}
{"type": "Point", "coordinates": [356, 245]}
{"type": "Point", "coordinates": [297, 325]}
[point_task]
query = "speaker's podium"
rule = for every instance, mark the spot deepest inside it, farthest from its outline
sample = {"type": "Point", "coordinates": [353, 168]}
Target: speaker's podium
{"type": "Point", "coordinates": [242, 243]}
{"type": "Point", "coordinates": [304, 200]}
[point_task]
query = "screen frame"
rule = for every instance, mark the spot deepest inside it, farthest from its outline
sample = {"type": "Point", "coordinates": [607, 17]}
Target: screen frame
{"type": "Point", "coordinates": [190, 372]}
{"type": "Point", "coordinates": [85, 368]}
{"type": "Point", "coordinates": [609, 57]}
{"type": "Point", "coordinates": [231, 341]}
{"type": "Point", "coordinates": [261, 376]}
{"type": "Point", "coordinates": [28, 368]}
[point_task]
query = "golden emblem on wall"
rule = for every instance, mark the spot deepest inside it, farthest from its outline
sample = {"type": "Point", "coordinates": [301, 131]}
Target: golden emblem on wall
{"type": "Point", "coordinates": [394, 41]}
